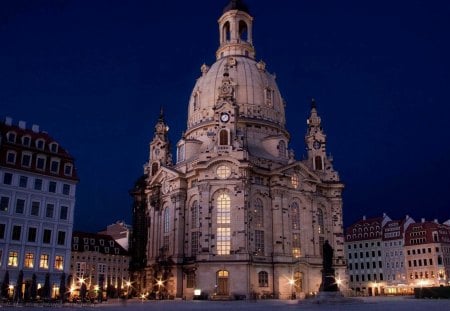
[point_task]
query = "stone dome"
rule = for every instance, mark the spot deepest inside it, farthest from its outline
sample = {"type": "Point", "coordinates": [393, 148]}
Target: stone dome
{"type": "Point", "coordinates": [255, 92]}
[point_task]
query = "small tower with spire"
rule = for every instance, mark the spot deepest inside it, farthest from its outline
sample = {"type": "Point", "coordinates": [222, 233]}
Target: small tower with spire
{"type": "Point", "coordinates": [160, 146]}
{"type": "Point", "coordinates": [315, 140]}
{"type": "Point", "coordinates": [235, 28]}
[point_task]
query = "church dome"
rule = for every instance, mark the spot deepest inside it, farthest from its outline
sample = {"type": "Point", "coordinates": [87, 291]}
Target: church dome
{"type": "Point", "coordinates": [254, 89]}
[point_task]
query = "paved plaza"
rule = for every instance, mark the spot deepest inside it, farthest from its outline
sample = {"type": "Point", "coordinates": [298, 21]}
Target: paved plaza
{"type": "Point", "coordinates": [366, 304]}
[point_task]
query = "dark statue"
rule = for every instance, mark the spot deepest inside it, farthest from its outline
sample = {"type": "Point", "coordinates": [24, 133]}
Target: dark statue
{"type": "Point", "coordinates": [328, 280]}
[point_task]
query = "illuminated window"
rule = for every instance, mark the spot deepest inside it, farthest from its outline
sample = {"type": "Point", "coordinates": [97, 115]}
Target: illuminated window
{"type": "Point", "coordinates": [223, 223]}
{"type": "Point", "coordinates": [223, 241]}
{"type": "Point", "coordinates": [43, 262]}
{"type": "Point", "coordinates": [13, 259]}
{"type": "Point", "coordinates": [59, 262]}
{"type": "Point", "coordinates": [295, 181]}
{"type": "Point", "coordinates": [258, 213]}
{"type": "Point", "coordinates": [223, 171]}
{"type": "Point", "coordinates": [166, 220]}
{"type": "Point", "coordinates": [29, 260]}
{"type": "Point", "coordinates": [223, 209]}
{"type": "Point", "coordinates": [194, 242]}
{"type": "Point", "coordinates": [296, 245]}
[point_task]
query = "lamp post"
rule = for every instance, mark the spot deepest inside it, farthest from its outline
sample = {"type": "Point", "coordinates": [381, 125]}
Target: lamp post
{"type": "Point", "coordinates": [128, 285]}
{"type": "Point", "coordinates": [292, 283]}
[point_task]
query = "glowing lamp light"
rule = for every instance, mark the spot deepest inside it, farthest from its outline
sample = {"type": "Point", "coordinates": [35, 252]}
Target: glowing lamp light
{"type": "Point", "coordinates": [291, 281]}
{"type": "Point", "coordinates": [160, 282]}
{"type": "Point", "coordinates": [197, 292]}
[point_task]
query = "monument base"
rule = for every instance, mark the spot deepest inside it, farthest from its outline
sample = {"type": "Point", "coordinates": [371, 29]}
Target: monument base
{"type": "Point", "coordinates": [332, 298]}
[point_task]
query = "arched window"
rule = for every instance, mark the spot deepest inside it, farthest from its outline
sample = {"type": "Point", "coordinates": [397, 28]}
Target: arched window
{"type": "Point", "coordinates": [196, 95]}
{"type": "Point", "coordinates": [226, 33]}
{"type": "Point", "coordinates": [282, 149]}
{"type": "Point", "coordinates": [263, 279]}
{"type": "Point", "coordinates": [180, 153]}
{"type": "Point", "coordinates": [154, 168]}
{"type": "Point", "coordinates": [223, 224]}
{"type": "Point", "coordinates": [320, 220]}
{"type": "Point", "coordinates": [258, 213]}
{"type": "Point", "coordinates": [223, 138]}
{"type": "Point", "coordinates": [318, 163]}
{"type": "Point", "coordinates": [295, 216]}
{"type": "Point", "coordinates": [194, 215]}
{"type": "Point", "coordinates": [243, 31]}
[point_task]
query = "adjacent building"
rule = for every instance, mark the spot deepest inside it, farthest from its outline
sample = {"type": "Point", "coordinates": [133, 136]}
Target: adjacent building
{"type": "Point", "coordinates": [99, 262]}
{"type": "Point", "coordinates": [37, 199]}
{"type": "Point", "coordinates": [120, 232]}
{"type": "Point", "coordinates": [364, 253]}
{"type": "Point", "coordinates": [235, 213]}
{"type": "Point", "coordinates": [427, 247]}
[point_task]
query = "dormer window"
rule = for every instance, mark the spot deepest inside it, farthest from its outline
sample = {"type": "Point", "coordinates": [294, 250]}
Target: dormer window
{"type": "Point", "coordinates": [268, 93]}
{"type": "Point", "coordinates": [282, 149]}
{"type": "Point", "coordinates": [40, 144]}
{"type": "Point", "coordinates": [180, 153]}
{"type": "Point", "coordinates": [11, 136]}
{"type": "Point", "coordinates": [26, 141]}
{"type": "Point", "coordinates": [11, 157]}
{"type": "Point", "coordinates": [40, 162]}
{"type": "Point", "coordinates": [26, 159]}
{"type": "Point", "coordinates": [54, 166]}
{"type": "Point", "coordinates": [196, 100]}
{"type": "Point", "coordinates": [68, 168]}
{"type": "Point", "coordinates": [53, 147]}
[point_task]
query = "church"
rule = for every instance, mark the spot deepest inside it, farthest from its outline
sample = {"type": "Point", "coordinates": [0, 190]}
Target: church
{"type": "Point", "coordinates": [234, 214]}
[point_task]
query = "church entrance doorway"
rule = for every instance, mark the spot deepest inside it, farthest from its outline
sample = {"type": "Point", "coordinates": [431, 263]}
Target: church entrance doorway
{"type": "Point", "coordinates": [222, 283]}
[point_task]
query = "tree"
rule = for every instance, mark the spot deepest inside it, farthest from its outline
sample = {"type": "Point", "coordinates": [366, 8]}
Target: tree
{"type": "Point", "coordinates": [33, 287]}
{"type": "Point", "coordinates": [62, 288]}
{"type": "Point", "coordinates": [46, 291]}
{"type": "Point", "coordinates": [18, 292]}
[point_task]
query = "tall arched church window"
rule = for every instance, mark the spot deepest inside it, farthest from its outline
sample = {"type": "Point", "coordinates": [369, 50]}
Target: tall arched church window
{"type": "Point", "coordinates": [282, 149]}
{"type": "Point", "coordinates": [166, 220]}
{"type": "Point", "coordinates": [295, 216]}
{"type": "Point", "coordinates": [223, 138]}
{"type": "Point", "coordinates": [180, 153]}
{"type": "Point", "coordinates": [196, 100]}
{"type": "Point", "coordinates": [320, 220]}
{"type": "Point", "coordinates": [318, 163]}
{"type": "Point", "coordinates": [243, 31]}
{"type": "Point", "coordinates": [258, 213]}
{"type": "Point", "coordinates": [223, 224]}
{"type": "Point", "coordinates": [154, 168]}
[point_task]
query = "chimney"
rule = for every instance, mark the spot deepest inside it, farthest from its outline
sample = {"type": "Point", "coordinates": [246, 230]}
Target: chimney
{"type": "Point", "coordinates": [436, 221]}
{"type": "Point", "coordinates": [35, 128]}
{"type": "Point", "coordinates": [22, 125]}
{"type": "Point", "coordinates": [407, 216]}
{"type": "Point", "coordinates": [364, 217]}
{"type": "Point", "coordinates": [423, 220]}
{"type": "Point", "coordinates": [8, 121]}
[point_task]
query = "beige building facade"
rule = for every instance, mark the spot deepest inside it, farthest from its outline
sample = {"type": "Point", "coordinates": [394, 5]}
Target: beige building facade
{"type": "Point", "coordinates": [235, 213]}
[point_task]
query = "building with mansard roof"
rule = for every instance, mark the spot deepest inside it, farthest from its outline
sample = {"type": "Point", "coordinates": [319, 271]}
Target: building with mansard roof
{"type": "Point", "coordinates": [235, 213]}
{"type": "Point", "coordinates": [37, 199]}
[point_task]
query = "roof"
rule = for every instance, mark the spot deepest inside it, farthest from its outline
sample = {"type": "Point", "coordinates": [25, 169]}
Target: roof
{"type": "Point", "coordinates": [95, 242]}
{"type": "Point", "coordinates": [26, 140]}
{"type": "Point", "coordinates": [236, 5]}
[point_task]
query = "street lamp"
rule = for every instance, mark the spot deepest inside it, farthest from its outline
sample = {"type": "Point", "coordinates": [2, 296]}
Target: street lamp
{"type": "Point", "coordinates": [128, 285]}
{"type": "Point", "coordinates": [292, 283]}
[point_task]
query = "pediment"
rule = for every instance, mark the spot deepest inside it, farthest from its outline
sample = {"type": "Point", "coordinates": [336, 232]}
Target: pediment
{"type": "Point", "coordinates": [301, 169]}
{"type": "Point", "coordinates": [164, 174]}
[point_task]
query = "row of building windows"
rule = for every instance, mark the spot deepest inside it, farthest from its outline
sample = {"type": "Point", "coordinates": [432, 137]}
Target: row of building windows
{"type": "Point", "coordinates": [426, 275]}
{"type": "Point", "coordinates": [357, 266]}
{"type": "Point", "coordinates": [29, 260]}
{"type": "Point", "coordinates": [396, 264]}
{"type": "Point", "coordinates": [114, 259]}
{"type": "Point", "coordinates": [31, 236]}
{"type": "Point", "coordinates": [425, 261]}
{"type": "Point", "coordinates": [92, 241]}
{"type": "Point", "coordinates": [34, 209]}
{"type": "Point", "coordinates": [86, 248]}
{"type": "Point", "coordinates": [421, 251]}
{"type": "Point", "coordinates": [11, 136]}
{"type": "Point", "coordinates": [82, 268]}
{"type": "Point", "coordinates": [36, 184]}
{"type": "Point", "coordinates": [26, 159]}
{"type": "Point", "coordinates": [394, 243]}
{"type": "Point", "coordinates": [363, 277]}
{"type": "Point", "coordinates": [361, 245]}
{"type": "Point", "coordinates": [371, 254]}
{"type": "Point", "coordinates": [394, 253]}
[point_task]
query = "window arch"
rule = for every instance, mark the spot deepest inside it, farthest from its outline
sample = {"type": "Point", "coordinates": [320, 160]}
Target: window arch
{"type": "Point", "coordinates": [282, 149]}
{"type": "Point", "coordinates": [40, 144]}
{"type": "Point", "coordinates": [318, 163]}
{"type": "Point", "coordinates": [258, 211]}
{"type": "Point", "coordinates": [223, 138]}
{"type": "Point", "coordinates": [243, 31]}
{"type": "Point", "coordinates": [26, 140]}
{"type": "Point", "coordinates": [180, 153]}
{"type": "Point", "coordinates": [263, 279]}
{"type": "Point", "coordinates": [320, 220]}
{"type": "Point", "coordinates": [226, 33]}
{"type": "Point", "coordinates": [295, 216]}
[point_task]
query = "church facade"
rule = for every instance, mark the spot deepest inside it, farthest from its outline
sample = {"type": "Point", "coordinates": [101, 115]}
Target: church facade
{"type": "Point", "coordinates": [235, 214]}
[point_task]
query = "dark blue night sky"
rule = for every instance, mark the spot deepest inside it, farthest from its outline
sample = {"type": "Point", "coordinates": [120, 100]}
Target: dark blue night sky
{"type": "Point", "coordinates": [95, 73]}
